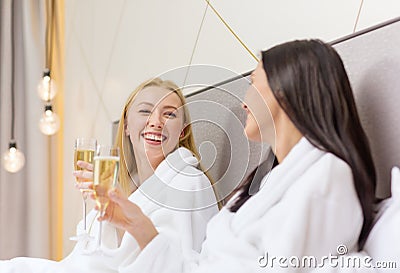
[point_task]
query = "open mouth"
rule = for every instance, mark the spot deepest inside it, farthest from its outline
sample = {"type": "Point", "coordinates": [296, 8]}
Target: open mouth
{"type": "Point", "coordinates": [154, 138]}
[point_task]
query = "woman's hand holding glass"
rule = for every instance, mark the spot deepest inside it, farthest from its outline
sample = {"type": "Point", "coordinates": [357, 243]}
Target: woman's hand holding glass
{"type": "Point", "coordinates": [83, 158]}
{"type": "Point", "coordinates": [84, 176]}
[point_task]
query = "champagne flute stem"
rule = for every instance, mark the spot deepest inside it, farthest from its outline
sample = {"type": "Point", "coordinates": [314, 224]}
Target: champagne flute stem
{"type": "Point", "coordinates": [84, 197]}
{"type": "Point", "coordinates": [100, 230]}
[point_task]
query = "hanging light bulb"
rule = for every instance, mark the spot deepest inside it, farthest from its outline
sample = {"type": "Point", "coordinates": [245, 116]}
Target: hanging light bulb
{"type": "Point", "coordinates": [13, 159]}
{"type": "Point", "coordinates": [49, 122]}
{"type": "Point", "coordinates": [47, 88]}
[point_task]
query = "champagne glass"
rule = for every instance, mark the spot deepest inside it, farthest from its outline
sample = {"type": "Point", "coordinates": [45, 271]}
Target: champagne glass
{"type": "Point", "coordinates": [84, 150]}
{"type": "Point", "coordinates": [106, 166]}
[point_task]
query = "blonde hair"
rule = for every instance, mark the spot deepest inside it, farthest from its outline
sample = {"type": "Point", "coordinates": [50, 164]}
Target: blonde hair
{"type": "Point", "coordinates": [127, 159]}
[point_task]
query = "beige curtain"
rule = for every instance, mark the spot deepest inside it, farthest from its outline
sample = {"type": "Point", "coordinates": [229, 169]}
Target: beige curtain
{"type": "Point", "coordinates": [56, 142]}
{"type": "Point", "coordinates": [30, 200]}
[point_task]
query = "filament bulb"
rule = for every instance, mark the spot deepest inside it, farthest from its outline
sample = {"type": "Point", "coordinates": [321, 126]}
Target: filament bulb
{"type": "Point", "coordinates": [49, 122]}
{"type": "Point", "coordinates": [13, 159]}
{"type": "Point", "coordinates": [47, 88]}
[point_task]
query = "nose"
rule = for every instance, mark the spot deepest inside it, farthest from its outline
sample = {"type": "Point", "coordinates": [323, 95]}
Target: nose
{"type": "Point", "coordinates": [155, 121]}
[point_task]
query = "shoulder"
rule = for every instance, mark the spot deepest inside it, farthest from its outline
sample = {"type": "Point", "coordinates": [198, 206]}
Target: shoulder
{"type": "Point", "coordinates": [332, 164]}
{"type": "Point", "coordinates": [186, 172]}
{"type": "Point", "coordinates": [329, 167]}
{"type": "Point", "coordinates": [329, 178]}
{"type": "Point", "coordinates": [191, 178]}
{"type": "Point", "coordinates": [185, 185]}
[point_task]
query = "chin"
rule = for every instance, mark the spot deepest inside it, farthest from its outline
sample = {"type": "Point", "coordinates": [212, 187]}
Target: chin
{"type": "Point", "coordinates": [252, 135]}
{"type": "Point", "coordinates": [153, 149]}
{"type": "Point", "coordinates": [159, 150]}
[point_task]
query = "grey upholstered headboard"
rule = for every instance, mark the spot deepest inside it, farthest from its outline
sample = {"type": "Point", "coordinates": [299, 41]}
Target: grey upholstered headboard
{"type": "Point", "coordinates": [372, 60]}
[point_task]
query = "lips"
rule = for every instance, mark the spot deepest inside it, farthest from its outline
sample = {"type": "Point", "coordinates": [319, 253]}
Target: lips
{"type": "Point", "coordinates": [154, 137]}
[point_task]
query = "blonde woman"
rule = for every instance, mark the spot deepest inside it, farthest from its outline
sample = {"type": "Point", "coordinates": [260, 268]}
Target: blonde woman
{"type": "Point", "coordinates": [159, 171]}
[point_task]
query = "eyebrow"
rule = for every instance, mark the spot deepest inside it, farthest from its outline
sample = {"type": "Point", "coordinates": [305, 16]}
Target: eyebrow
{"type": "Point", "coordinates": [147, 103]}
{"type": "Point", "coordinates": [152, 105]}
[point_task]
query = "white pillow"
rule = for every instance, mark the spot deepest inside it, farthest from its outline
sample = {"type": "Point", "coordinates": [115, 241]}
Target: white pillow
{"type": "Point", "coordinates": [383, 243]}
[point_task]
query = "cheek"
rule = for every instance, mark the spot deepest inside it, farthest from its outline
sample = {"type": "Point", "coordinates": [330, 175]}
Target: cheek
{"type": "Point", "coordinates": [136, 125]}
{"type": "Point", "coordinates": [254, 100]}
{"type": "Point", "coordinates": [174, 128]}
{"type": "Point", "coordinates": [257, 105]}
{"type": "Point", "coordinates": [259, 120]}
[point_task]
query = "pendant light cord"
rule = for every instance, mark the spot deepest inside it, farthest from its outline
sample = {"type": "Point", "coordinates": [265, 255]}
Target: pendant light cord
{"type": "Point", "coordinates": [232, 32]}
{"type": "Point", "coordinates": [12, 70]}
{"type": "Point", "coordinates": [358, 16]}
{"type": "Point", "coordinates": [195, 46]}
{"type": "Point", "coordinates": [49, 32]}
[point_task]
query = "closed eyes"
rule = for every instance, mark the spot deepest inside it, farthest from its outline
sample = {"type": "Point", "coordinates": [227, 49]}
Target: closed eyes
{"type": "Point", "coordinates": [166, 114]}
{"type": "Point", "coordinates": [170, 114]}
{"type": "Point", "coordinates": [143, 111]}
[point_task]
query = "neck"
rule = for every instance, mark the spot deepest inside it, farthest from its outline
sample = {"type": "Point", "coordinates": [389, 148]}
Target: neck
{"type": "Point", "coordinates": [147, 166]}
{"type": "Point", "coordinates": [287, 136]}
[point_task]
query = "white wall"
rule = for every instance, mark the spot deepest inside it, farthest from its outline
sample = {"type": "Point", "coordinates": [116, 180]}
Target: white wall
{"type": "Point", "coordinates": [112, 46]}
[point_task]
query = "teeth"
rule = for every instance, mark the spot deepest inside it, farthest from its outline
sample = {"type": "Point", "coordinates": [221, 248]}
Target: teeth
{"type": "Point", "coordinates": [153, 137]}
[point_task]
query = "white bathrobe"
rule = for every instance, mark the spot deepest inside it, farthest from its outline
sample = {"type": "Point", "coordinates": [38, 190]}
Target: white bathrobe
{"type": "Point", "coordinates": [178, 199]}
{"type": "Point", "coordinates": [381, 253]}
{"type": "Point", "coordinates": [306, 206]}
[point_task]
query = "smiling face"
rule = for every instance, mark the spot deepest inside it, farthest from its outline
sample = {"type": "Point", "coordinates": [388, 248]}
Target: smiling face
{"type": "Point", "coordinates": [155, 121]}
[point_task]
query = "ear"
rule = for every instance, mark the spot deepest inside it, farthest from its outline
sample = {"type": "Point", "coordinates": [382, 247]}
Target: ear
{"type": "Point", "coordinates": [183, 131]}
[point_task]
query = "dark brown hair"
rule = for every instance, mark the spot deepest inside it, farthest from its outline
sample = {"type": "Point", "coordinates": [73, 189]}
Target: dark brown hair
{"type": "Point", "coordinates": [310, 83]}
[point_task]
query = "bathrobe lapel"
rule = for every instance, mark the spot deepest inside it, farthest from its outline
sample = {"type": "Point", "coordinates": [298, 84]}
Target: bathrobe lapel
{"type": "Point", "coordinates": [276, 183]}
{"type": "Point", "coordinates": [157, 189]}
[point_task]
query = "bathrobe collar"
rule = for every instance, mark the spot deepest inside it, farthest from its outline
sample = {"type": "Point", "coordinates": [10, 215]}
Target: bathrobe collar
{"type": "Point", "coordinates": [277, 182]}
{"type": "Point", "coordinates": [177, 165]}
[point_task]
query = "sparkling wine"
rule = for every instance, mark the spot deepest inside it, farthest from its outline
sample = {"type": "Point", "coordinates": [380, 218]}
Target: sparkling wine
{"type": "Point", "coordinates": [83, 155]}
{"type": "Point", "coordinates": [105, 178]}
